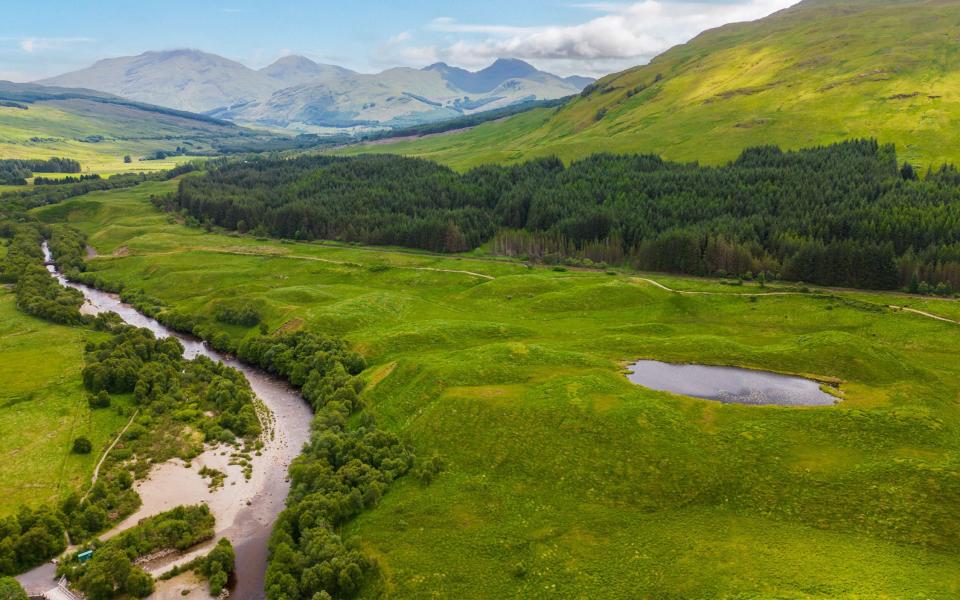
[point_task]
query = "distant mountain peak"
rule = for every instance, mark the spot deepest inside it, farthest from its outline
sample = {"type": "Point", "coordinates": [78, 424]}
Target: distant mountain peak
{"type": "Point", "coordinates": [292, 59]}
{"type": "Point", "coordinates": [296, 91]}
{"type": "Point", "coordinates": [491, 77]}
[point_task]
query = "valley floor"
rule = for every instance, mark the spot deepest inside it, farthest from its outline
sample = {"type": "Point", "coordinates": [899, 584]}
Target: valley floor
{"type": "Point", "coordinates": [562, 479]}
{"type": "Point", "coordinates": [43, 407]}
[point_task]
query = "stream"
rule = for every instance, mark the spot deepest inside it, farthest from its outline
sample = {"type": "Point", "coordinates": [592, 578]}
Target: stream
{"type": "Point", "coordinates": [245, 510]}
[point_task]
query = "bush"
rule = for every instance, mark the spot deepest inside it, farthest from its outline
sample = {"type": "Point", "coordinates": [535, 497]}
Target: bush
{"type": "Point", "coordinates": [238, 314]}
{"type": "Point", "coordinates": [11, 590]}
{"type": "Point", "coordinates": [100, 400]}
{"type": "Point", "coordinates": [82, 445]}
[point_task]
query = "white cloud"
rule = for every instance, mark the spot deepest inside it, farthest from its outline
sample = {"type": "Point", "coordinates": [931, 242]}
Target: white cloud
{"type": "Point", "coordinates": [400, 38]}
{"type": "Point", "coordinates": [32, 45]}
{"type": "Point", "coordinates": [623, 35]}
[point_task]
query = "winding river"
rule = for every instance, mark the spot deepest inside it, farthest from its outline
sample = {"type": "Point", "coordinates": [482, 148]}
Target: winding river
{"type": "Point", "coordinates": [245, 510]}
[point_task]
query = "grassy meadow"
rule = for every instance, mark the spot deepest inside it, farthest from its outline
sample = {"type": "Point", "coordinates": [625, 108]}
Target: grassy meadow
{"type": "Point", "coordinates": [561, 478]}
{"type": "Point", "coordinates": [43, 407]}
{"type": "Point", "coordinates": [818, 73]}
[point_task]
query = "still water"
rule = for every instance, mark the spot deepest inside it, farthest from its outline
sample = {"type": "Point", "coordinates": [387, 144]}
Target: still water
{"type": "Point", "coordinates": [729, 384]}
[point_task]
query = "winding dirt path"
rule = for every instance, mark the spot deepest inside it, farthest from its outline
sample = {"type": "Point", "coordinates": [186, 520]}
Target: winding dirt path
{"type": "Point", "coordinates": [96, 470]}
{"type": "Point", "coordinates": [760, 294]}
{"type": "Point", "coordinates": [924, 314]}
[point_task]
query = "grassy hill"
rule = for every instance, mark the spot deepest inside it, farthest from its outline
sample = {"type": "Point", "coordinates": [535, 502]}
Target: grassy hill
{"type": "Point", "coordinates": [561, 479]}
{"type": "Point", "coordinates": [99, 129]}
{"type": "Point", "coordinates": [819, 72]}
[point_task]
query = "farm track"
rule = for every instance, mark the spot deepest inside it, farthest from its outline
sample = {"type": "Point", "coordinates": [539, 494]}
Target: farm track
{"type": "Point", "coordinates": [96, 470]}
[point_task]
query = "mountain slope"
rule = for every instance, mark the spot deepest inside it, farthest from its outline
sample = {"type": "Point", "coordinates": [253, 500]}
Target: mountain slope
{"type": "Point", "coordinates": [297, 70]}
{"type": "Point", "coordinates": [487, 79]}
{"type": "Point", "coordinates": [295, 92]}
{"type": "Point", "coordinates": [400, 97]}
{"type": "Point", "coordinates": [183, 79]}
{"type": "Point", "coordinates": [819, 72]}
{"type": "Point", "coordinates": [99, 129]}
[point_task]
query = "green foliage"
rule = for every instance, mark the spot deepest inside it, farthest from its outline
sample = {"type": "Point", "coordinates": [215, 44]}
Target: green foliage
{"type": "Point", "coordinates": [11, 590]}
{"type": "Point", "coordinates": [111, 573]}
{"type": "Point", "coordinates": [28, 538]}
{"type": "Point", "coordinates": [100, 400]}
{"type": "Point", "coordinates": [340, 473]}
{"type": "Point", "coordinates": [840, 216]}
{"type": "Point", "coordinates": [216, 567]}
{"type": "Point", "coordinates": [232, 313]}
{"type": "Point", "coordinates": [16, 172]}
{"type": "Point", "coordinates": [384, 200]}
{"type": "Point", "coordinates": [179, 529]}
{"type": "Point", "coordinates": [82, 445]}
{"type": "Point", "coordinates": [64, 180]}
{"type": "Point", "coordinates": [37, 292]}
{"type": "Point", "coordinates": [161, 380]}
{"type": "Point", "coordinates": [107, 574]}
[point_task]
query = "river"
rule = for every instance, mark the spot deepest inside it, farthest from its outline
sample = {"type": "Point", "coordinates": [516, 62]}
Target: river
{"type": "Point", "coordinates": [245, 510]}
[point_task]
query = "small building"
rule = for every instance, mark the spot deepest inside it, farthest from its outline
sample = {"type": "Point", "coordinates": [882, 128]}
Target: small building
{"type": "Point", "coordinates": [84, 556]}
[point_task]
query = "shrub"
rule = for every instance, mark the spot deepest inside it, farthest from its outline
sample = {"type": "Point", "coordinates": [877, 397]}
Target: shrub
{"type": "Point", "coordinates": [82, 445]}
{"type": "Point", "coordinates": [100, 400]}
{"type": "Point", "coordinates": [11, 590]}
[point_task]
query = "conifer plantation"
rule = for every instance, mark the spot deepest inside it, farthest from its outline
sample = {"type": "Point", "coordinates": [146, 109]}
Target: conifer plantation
{"type": "Point", "coordinates": [844, 215]}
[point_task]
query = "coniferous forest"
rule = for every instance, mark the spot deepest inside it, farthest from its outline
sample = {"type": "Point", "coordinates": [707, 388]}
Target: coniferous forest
{"type": "Point", "coordinates": [844, 215]}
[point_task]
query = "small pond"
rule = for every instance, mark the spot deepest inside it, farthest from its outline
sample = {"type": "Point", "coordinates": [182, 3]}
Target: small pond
{"type": "Point", "coordinates": [729, 384]}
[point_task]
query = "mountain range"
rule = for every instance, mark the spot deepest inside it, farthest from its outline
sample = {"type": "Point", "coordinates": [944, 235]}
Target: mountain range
{"type": "Point", "coordinates": [816, 73]}
{"type": "Point", "coordinates": [297, 93]}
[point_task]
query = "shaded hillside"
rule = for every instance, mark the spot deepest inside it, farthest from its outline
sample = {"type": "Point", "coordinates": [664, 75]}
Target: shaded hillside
{"type": "Point", "coordinates": [819, 72]}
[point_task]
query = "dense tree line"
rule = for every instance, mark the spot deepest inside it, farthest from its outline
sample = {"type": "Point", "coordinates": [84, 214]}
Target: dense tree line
{"type": "Point", "coordinates": [13, 204]}
{"type": "Point", "coordinates": [17, 171]}
{"type": "Point", "coordinates": [845, 214]}
{"type": "Point", "coordinates": [37, 292]}
{"type": "Point", "coordinates": [342, 471]}
{"type": "Point", "coordinates": [64, 180]}
{"type": "Point", "coordinates": [30, 537]}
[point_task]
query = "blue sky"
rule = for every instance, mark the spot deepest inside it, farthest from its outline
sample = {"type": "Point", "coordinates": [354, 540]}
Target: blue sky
{"type": "Point", "coordinates": [47, 37]}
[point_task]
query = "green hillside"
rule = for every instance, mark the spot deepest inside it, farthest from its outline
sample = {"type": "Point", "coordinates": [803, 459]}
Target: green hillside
{"type": "Point", "coordinates": [99, 129]}
{"type": "Point", "coordinates": [819, 72]}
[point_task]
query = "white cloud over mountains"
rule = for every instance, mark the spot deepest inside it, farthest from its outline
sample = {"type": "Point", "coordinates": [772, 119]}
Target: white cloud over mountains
{"type": "Point", "coordinates": [622, 35]}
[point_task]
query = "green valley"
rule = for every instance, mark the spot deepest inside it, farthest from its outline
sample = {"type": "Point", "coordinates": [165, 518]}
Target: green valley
{"type": "Point", "coordinates": [558, 476]}
{"type": "Point", "coordinates": [102, 131]}
{"type": "Point", "coordinates": [436, 322]}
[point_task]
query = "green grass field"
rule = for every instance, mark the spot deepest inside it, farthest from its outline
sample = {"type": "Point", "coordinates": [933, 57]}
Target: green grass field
{"type": "Point", "coordinates": [822, 72]}
{"type": "Point", "coordinates": [564, 480]}
{"type": "Point", "coordinates": [43, 407]}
